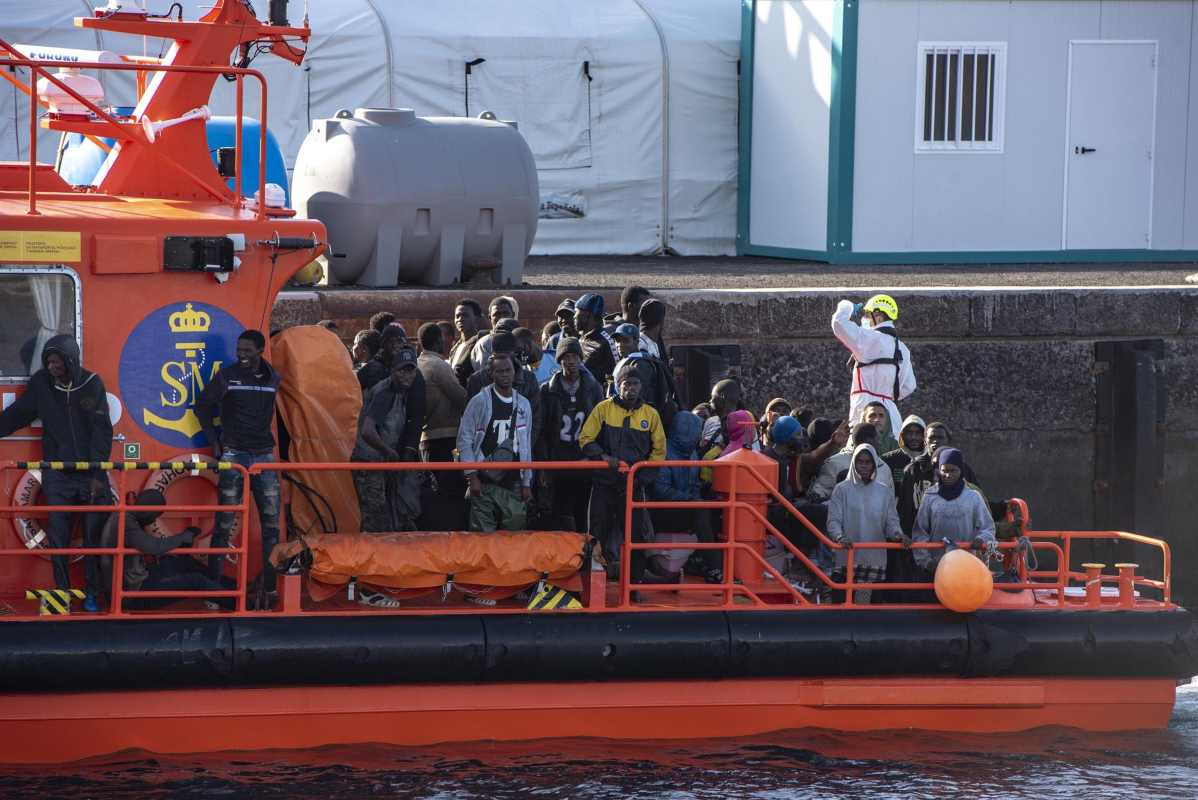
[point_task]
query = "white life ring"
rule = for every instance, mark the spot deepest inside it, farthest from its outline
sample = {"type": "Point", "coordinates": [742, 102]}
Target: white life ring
{"type": "Point", "coordinates": [163, 479]}
{"type": "Point", "coordinates": [30, 529]}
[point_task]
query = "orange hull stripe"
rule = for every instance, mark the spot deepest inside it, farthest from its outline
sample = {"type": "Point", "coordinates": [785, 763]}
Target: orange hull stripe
{"type": "Point", "coordinates": [68, 727]}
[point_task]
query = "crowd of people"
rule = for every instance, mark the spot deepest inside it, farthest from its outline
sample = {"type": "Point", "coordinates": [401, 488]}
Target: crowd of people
{"type": "Point", "coordinates": [599, 387]}
{"type": "Point", "coordinates": [590, 387]}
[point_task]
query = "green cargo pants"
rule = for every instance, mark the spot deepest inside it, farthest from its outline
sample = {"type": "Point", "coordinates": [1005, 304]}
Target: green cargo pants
{"type": "Point", "coordinates": [497, 507]}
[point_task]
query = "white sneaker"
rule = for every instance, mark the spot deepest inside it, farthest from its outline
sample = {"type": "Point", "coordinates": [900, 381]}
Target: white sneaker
{"type": "Point", "coordinates": [376, 599]}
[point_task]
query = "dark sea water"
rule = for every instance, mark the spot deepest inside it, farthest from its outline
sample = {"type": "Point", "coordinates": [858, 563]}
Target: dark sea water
{"type": "Point", "coordinates": [1042, 764]}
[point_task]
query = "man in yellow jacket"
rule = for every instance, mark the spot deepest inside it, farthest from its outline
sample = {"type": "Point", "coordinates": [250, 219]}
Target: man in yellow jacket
{"type": "Point", "coordinates": [622, 429]}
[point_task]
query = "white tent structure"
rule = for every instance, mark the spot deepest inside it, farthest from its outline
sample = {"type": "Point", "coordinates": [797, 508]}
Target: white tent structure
{"type": "Point", "coordinates": [629, 106]}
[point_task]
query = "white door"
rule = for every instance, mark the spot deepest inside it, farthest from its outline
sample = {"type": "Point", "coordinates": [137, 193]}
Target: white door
{"type": "Point", "coordinates": [1109, 140]}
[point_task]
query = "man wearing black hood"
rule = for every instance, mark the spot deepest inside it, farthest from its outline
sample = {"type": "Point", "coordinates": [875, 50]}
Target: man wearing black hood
{"type": "Point", "coordinates": [73, 407]}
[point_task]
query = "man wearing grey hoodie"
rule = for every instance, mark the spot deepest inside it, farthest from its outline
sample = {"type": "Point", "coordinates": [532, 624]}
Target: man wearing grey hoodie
{"type": "Point", "coordinates": [861, 510]}
{"type": "Point", "coordinates": [496, 426]}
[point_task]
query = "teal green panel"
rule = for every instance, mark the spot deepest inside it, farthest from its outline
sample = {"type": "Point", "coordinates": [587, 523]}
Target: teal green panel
{"type": "Point", "coordinates": [843, 124]}
{"type": "Point", "coordinates": [745, 124]}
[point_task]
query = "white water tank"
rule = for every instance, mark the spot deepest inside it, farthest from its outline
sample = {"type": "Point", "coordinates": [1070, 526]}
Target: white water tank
{"type": "Point", "coordinates": [418, 200]}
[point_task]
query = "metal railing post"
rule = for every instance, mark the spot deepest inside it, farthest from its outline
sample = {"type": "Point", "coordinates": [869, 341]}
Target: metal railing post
{"type": "Point", "coordinates": [730, 549]}
{"type": "Point", "coordinates": [33, 142]}
{"type": "Point", "coordinates": [243, 564]}
{"type": "Point", "coordinates": [626, 555]}
{"type": "Point", "coordinates": [116, 605]}
{"type": "Point", "coordinates": [237, 148]}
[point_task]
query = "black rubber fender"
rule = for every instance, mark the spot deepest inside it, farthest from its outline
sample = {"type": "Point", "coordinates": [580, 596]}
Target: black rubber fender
{"type": "Point", "coordinates": [366, 649]}
{"type": "Point", "coordinates": [629, 646]}
{"type": "Point", "coordinates": [1083, 643]}
{"type": "Point", "coordinates": [851, 642]}
{"type": "Point", "coordinates": [74, 656]}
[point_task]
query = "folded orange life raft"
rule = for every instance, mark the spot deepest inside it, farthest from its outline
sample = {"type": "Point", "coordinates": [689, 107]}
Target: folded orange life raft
{"type": "Point", "coordinates": [430, 560]}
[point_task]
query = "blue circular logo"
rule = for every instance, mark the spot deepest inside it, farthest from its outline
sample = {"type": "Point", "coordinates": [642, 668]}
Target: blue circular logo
{"type": "Point", "coordinates": [167, 361]}
{"type": "Point", "coordinates": [644, 423]}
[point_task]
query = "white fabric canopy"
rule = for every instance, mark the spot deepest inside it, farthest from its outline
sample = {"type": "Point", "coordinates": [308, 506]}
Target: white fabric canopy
{"type": "Point", "coordinates": [582, 80]}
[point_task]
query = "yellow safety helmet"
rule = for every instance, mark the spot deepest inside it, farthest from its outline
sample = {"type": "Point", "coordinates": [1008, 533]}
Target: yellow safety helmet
{"type": "Point", "coordinates": [884, 303]}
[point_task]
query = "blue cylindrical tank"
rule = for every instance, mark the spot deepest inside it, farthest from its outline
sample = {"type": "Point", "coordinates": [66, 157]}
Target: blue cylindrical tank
{"type": "Point", "coordinates": [82, 159]}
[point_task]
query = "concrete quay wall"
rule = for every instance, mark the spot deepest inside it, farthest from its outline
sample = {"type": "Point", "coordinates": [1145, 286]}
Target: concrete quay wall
{"type": "Point", "coordinates": [1012, 372]}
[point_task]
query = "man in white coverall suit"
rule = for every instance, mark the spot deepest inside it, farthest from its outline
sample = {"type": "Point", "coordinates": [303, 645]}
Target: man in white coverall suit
{"type": "Point", "coordinates": [880, 363]}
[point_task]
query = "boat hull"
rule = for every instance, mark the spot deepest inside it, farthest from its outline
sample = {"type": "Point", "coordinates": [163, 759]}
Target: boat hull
{"type": "Point", "coordinates": [62, 727]}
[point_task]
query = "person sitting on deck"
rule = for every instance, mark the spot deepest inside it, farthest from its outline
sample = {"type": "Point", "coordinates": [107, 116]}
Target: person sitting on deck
{"type": "Point", "coordinates": [621, 429]}
{"type": "Point", "coordinates": [860, 510]}
{"type": "Point", "coordinates": [164, 572]}
{"type": "Point", "coordinates": [389, 428]}
{"type": "Point", "coordinates": [496, 426]}
{"type": "Point", "coordinates": [951, 510]}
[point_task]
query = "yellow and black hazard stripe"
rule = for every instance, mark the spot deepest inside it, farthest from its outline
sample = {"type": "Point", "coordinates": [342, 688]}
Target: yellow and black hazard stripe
{"type": "Point", "coordinates": [54, 601]}
{"type": "Point", "coordinates": [85, 466]}
{"type": "Point", "coordinates": [552, 597]}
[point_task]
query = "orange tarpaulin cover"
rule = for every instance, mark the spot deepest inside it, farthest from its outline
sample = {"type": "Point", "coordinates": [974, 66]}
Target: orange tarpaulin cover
{"type": "Point", "coordinates": [427, 560]}
{"type": "Point", "coordinates": [319, 399]}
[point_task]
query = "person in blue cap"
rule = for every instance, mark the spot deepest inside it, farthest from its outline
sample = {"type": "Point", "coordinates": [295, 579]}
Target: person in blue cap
{"type": "Point", "coordinates": [598, 350]}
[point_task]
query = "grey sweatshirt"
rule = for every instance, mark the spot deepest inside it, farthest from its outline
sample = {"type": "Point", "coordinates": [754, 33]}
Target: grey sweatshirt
{"type": "Point", "coordinates": [473, 430]}
{"type": "Point", "coordinates": [863, 512]}
{"type": "Point", "coordinates": [960, 520]}
{"type": "Point", "coordinates": [821, 488]}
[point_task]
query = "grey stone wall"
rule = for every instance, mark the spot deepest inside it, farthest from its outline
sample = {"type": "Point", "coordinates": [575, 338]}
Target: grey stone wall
{"type": "Point", "coordinates": [1012, 372]}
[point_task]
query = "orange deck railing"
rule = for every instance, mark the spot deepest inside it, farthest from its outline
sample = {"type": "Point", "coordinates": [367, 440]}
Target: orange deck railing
{"type": "Point", "coordinates": [773, 592]}
{"type": "Point", "coordinates": [107, 125]}
{"type": "Point", "coordinates": [118, 553]}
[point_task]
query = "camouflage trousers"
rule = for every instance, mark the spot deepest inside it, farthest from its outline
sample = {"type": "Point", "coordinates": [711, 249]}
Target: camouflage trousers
{"type": "Point", "coordinates": [387, 501]}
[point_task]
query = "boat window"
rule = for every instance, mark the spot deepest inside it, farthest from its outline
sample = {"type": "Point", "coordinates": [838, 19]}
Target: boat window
{"type": "Point", "coordinates": [35, 305]}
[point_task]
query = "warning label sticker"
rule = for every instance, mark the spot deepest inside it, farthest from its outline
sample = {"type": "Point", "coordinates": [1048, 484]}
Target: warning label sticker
{"type": "Point", "coordinates": [46, 246]}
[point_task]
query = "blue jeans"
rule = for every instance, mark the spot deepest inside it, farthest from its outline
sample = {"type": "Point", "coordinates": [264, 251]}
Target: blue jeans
{"type": "Point", "coordinates": [265, 488]}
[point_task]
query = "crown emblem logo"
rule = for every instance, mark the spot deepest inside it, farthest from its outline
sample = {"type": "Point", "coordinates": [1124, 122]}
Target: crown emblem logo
{"type": "Point", "coordinates": [189, 321]}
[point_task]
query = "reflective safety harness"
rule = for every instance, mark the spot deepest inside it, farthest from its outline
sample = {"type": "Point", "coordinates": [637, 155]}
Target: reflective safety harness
{"type": "Point", "coordinates": [895, 361]}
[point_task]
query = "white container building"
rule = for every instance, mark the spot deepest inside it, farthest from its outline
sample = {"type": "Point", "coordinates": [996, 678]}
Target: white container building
{"type": "Point", "coordinates": [969, 131]}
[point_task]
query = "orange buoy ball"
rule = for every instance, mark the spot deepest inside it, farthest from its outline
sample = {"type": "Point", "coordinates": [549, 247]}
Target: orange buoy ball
{"type": "Point", "coordinates": [963, 582]}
